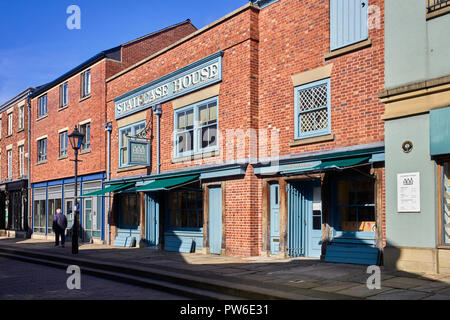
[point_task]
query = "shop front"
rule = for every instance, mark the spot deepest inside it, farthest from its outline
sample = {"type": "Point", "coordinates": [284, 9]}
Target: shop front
{"type": "Point", "coordinates": [13, 206]}
{"type": "Point", "coordinates": [47, 197]}
{"type": "Point", "coordinates": [328, 207]}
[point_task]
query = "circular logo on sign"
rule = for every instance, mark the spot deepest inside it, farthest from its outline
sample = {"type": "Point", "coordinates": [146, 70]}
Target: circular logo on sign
{"type": "Point", "coordinates": [407, 146]}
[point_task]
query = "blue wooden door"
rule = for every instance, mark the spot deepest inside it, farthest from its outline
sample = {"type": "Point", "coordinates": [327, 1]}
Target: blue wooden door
{"type": "Point", "coordinates": [274, 218]}
{"type": "Point", "coordinates": [215, 220]}
{"type": "Point", "coordinates": [304, 223]}
{"type": "Point", "coordinates": [152, 218]}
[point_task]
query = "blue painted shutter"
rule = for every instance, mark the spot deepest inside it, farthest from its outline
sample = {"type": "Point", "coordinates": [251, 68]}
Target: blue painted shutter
{"type": "Point", "coordinates": [215, 220]}
{"type": "Point", "coordinates": [348, 22]}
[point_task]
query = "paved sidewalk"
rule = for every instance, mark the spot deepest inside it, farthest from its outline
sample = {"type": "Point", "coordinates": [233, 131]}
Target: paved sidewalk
{"type": "Point", "coordinates": [302, 278]}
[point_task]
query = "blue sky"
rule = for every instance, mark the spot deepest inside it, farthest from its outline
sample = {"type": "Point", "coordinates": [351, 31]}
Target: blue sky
{"type": "Point", "coordinates": [36, 46]}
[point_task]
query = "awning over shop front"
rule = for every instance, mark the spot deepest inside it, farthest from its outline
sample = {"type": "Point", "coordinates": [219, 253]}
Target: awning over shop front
{"type": "Point", "coordinates": [166, 184]}
{"type": "Point", "coordinates": [330, 164]}
{"type": "Point", "coordinates": [113, 188]}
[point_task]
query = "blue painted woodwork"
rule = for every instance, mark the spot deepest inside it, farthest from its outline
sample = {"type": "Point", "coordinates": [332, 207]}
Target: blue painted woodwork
{"type": "Point", "coordinates": [348, 22]}
{"type": "Point", "coordinates": [348, 249]}
{"type": "Point", "coordinates": [152, 218]}
{"type": "Point", "coordinates": [303, 239]}
{"type": "Point", "coordinates": [275, 218]}
{"type": "Point", "coordinates": [125, 236]}
{"type": "Point", "coordinates": [183, 241]}
{"type": "Point", "coordinates": [215, 220]}
{"type": "Point", "coordinates": [439, 131]}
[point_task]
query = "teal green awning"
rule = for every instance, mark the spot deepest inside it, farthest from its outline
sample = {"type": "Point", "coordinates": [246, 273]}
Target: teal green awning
{"type": "Point", "coordinates": [165, 184]}
{"type": "Point", "coordinates": [342, 163]}
{"type": "Point", "coordinates": [113, 188]}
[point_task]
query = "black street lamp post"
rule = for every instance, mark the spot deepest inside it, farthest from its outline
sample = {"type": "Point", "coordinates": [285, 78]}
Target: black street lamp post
{"type": "Point", "coordinates": [76, 139]}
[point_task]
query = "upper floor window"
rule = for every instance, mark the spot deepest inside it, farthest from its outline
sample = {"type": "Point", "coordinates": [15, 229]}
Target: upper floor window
{"type": "Point", "coordinates": [42, 150]}
{"type": "Point", "coordinates": [86, 83]}
{"type": "Point", "coordinates": [10, 124]}
{"type": "Point", "coordinates": [134, 131]}
{"type": "Point", "coordinates": [63, 144]}
{"type": "Point", "coordinates": [348, 22]}
{"type": "Point", "coordinates": [42, 106]}
{"type": "Point", "coordinates": [312, 109]}
{"type": "Point", "coordinates": [86, 130]}
{"type": "Point", "coordinates": [196, 128]}
{"type": "Point", "coordinates": [10, 170]}
{"type": "Point", "coordinates": [433, 5]}
{"type": "Point", "coordinates": [21, 161]}
{"type": "Point", "coordinates": [63, 95]}
{"type": "Point", "coordinates": [21, 117]}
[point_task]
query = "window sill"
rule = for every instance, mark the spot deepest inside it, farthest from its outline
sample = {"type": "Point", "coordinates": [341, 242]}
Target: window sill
{"type": "Point", "coordinates": [9, 135]}
{"type": "Point", "coordinates": [194, 157]}
{"type": "Point", "coordinates": [63, 108]}
{"type": "Point", "coordinates": [63, 157]}
{"type": "Point", "coordinates": [85, 151]}
{"type": "Point", "coordinates": [43, 117]}
{"type": "Point", "coordinates": [126, 169]}
{"type": "Point", "coordinates": [351, 48]}
{"type": "Point", "coordinates": [438, 13]}
{"type": "Point", "coordinates": [84, 98]}
{"type": "Point", "coordinates": [302, 142]}
{"type": "Point", "coordinates": [20, 130]}
{"type": "Point", "coordinates": [41, 163]}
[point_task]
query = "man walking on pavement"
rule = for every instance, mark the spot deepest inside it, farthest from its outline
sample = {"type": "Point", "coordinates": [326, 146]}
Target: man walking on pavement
{"type": "Point", "coordinates": [59, 227]}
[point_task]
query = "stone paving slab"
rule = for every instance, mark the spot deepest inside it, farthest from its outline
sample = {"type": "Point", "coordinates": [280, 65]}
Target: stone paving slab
{"type": "Point", "coordinates": [437, 297]}
{"type": "Point", "coordinates": [361, 291]}
{"type": "Point", "coordinates": [335, 286]}
{"type": "Point", "coordinates": [398, 294]}
{"type": "Point", "coordinates": [404, 282]}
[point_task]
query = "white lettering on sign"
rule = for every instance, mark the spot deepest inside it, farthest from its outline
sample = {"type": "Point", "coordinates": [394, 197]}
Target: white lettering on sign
{"type": "Point", "coordinates": [171, 88]}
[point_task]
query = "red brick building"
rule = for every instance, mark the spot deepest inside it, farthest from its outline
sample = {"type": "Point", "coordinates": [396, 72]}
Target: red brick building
{"type": "Point", "coordinates": [78, 99]}
{"type": "Point", "coordinates": [258, 134]}
{"type": "Point", "coordinates": [14, 163]}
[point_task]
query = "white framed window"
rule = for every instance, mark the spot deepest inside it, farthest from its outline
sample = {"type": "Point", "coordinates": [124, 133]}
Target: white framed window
{"type": "Point", "coordinates": [63, 95]}
{"type": "Point", "coordinates": [21, 117]}
{"type": "Point", "coordinates": [196, 128]}
{"type": "Point", "coordinates": [42, 106]}
{"type": "Point", "coordinates": [86, 83]}
{"type": "Point", "coordinates": [10, 164]}
{"type": "Point", "coordinates": [63, 138]}
{"type": "Point", "coordinates": [10, 124]}
{"type": "Point", "coordinates": [21, 161]}
{"type": "Point", "coordinates": [134, 131]}
{"type": "Point", "coordinates": [42, 150]}
{"type": "Point", "coordinates": [86, 130]}
{"type": "Point", "coordinates": [312, 109]}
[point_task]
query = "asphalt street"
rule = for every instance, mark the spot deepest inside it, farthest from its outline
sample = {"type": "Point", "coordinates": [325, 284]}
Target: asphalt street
{"type": "Point", "coordinates": [27, 281]}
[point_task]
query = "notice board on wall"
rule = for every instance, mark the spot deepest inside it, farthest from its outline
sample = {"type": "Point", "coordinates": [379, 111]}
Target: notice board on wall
{"type": "Point", "coordinates": [408, 192]}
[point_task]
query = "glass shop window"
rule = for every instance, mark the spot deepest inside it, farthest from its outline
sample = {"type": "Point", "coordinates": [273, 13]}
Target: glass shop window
{"type": "Point", "coordinates": [186, 209]}
{"type": "Point", "coordinates": [39, 216]}
{"type": "Point", "coordinates": [53, 205]}
{"type": "Point", "coordinates": [356, 205]}
{"type": "Point", "coordinates": [130, 205]}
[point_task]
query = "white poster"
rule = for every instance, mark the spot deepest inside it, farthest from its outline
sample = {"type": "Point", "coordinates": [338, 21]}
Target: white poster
{"type": "Point", "coordinates": [408, 192]}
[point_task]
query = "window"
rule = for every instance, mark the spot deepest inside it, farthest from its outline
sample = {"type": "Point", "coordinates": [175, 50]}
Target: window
{"type": "Point", "coordinates": [42, 150]}
{"type": "Point", "coordinates": [312, 109]}
{"type": "Point", "coordinates": [130, 207]}
{"type": "Point", "coordinates": [21, 161]}
{"type": "Point", "coordinates": [42, 106]}
{"type": "Point", "coordinates": [86, 83]}
{"type": "Point", "coordinates": [10, 169]}
{"type": "Point", "coordinates": [39, 216]}
{"type": "Point", "coordinates": [135, 131]}
{"type": "Point", "coordinates": [10, 124]}
{"type": "Point", "coordinates": [433, 5]}
{"type": "Point", "coordinates": [196, 128]}
{"type": "Point", "coordinates": [63, 95]}
{"type": "Point", "coordinates": [185, 209]}
{"type": "Point", "coordinates": [356, 204]}
{"type": "Point", "coordinates": [63, 144]}
{"type": "Point", "coordinates": [348, 22]}
{"type": "Point", "coordinates": [86, 130]}
{"type": "Point", "coordinates": [21, 117]}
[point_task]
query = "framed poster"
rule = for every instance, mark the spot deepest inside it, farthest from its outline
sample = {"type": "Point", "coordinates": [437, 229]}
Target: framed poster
{"type": "Point", "coordinates": [408, 192]}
